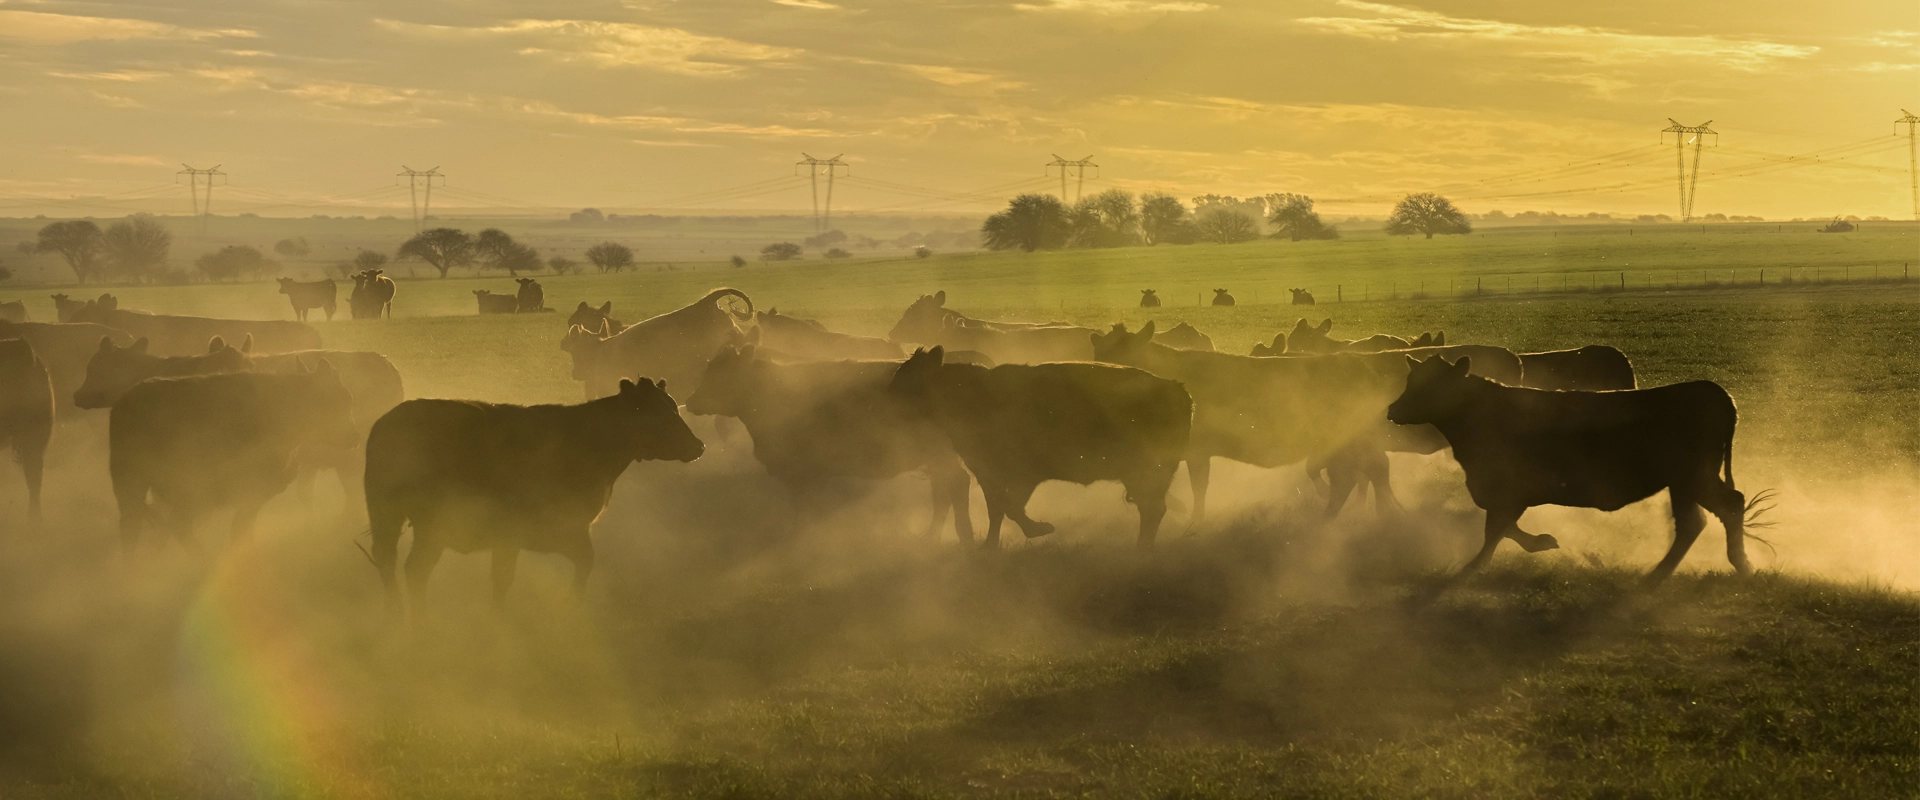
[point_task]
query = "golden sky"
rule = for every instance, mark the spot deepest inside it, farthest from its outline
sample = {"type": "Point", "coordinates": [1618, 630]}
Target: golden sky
{"type": "Point", "coordinates": [949, 105]}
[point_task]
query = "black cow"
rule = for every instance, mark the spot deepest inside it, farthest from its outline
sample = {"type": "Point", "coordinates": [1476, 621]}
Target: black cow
{"type": "Point", "coordinates": [491, 303]}
{"type": "Point", "coordinates": [26, 413]}
{"type": "Point", "coordinates": [13, 311]}
{"type": "Point", "coordinates": [1221, 298]}
{"type": "Point", "coordinates": [372, 295]}
{"type": "Point", "coordinates": [531, 298]}
{"type": "Point", "coordinates": [305, 297]}
{"type": "Point", "coordinates": [1148, 299]}
{"type": "Point", "coordinates": [1594, 368]}
{"type": "Point", "coordinates": [1529, 447]}
{"type": "Point", "coordinates": [589, 318]}
{"type": "Point", "coordinates": [1302, 297]}
{"type": "Point", "coordinates": [1307, 338]}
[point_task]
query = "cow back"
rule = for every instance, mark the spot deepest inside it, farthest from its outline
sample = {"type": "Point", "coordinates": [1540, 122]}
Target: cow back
{"type": "Point", "coordinates": [65, 348]}
{"type": "Point", "coordinates": [1593, 368]}
{"type": "Point", "coordinates": [26, 397]}
{"type": "Point", "coordinates": [1067, 421]}
{"type": "Point", "coordinates": [184, 335]}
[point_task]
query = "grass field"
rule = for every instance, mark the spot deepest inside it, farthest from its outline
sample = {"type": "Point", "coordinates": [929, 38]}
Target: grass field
{"type": "Point", "coordinates": [719, 654]}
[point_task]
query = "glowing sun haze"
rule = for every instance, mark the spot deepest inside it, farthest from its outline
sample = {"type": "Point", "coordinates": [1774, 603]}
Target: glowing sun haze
{"type": "Point", "coordinates": [645, 103]}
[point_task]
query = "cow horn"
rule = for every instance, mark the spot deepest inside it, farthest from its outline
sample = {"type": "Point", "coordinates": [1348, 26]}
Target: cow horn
{"type": "Point", "coordinates": [714, 296]}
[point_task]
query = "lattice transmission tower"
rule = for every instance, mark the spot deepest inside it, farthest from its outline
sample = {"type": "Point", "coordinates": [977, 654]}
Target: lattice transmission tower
{"type": "Point", "coordinates": [200, 184]}
{"type": "Point", "coordinates": [418, 179]}
{"type": "Point", "coordinates": [1684, 135]}
{"type": "Point", "coordinates": [822, 222]}
{"type": "Point", "coordinates": [1079, 169]}
{"type": "Point", "coordinates": [1913, 158]}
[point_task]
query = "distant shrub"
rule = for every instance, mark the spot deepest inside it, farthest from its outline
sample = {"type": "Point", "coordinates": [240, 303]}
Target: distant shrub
{"type": "Point", "coordinates": [922, 251]}
{"type": "Point", "coordinates": [780, 251]}
{"type": "Point", "coordinates": [838, 253]}
{"type": "Point", "coordinates": [738, 261]}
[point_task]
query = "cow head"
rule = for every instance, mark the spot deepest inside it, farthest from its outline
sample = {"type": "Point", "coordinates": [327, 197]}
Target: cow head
{"type": "Point", "coordinates": [1435, 390]}
{"type": "Point", "coordinates": [648, 421]}
{"type": "Point", "coordinates": [918, 378]}
{"type": "Point", "coordinates": [727, 385]}
{"type": "Point", "coordinates": [1308, 338]}
{"type": "Point", "coordinates": [1117, 346]}
{"type": "Point", "coordinates": [328, 411]}
{"type": "Point", "coordinates": [588, 317]}
{"type": "Point", "coordinates": [922, 320]}
{"type": "Point", "coordinates": [286, 285]}
{"type": "Point", "coordinates": [584, 346]}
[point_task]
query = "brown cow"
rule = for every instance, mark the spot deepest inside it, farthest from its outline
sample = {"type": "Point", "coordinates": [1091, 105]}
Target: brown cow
{"type": "Point", "coordinates": [589, 318]}
{"type": "Point", "coordinates": [491, 303]}
{"type": "Point", "coordinates": [483, 476]}
{"type": "Point", "coordinates": [323, 295]}
{"type": "Point", "coordinates": [1594, 368]}
{"type": "Point", "coordinates": [1529, 447]}
{"type": "Point", "coordinates": [15, 311]}
{"type": "Point", "coordinates": [64, 306]}
{"type": "Point", "coordinates": [814, 422]}
{"type": "Point", "coordinates": [674, 345]}
{"type": "Point", "coordinates": [372, 295]}
{"type": "Point", "coordinates": [209, 441]}
{"type": "Point", "coordinates": [1018, 425]}
{"type": "Point", "coordinates": [65, 349]}
{"type": "Point", "coordinates": [809, 339]}
{"type": "Point", "coordinates": [26, 413]}
{"type": "Point", "coordinates": [183, 336]}
{"type": "Point", "coordinates": [531, 298]}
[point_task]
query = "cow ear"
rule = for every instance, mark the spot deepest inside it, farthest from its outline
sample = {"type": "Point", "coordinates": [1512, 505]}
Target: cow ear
{"type": "Point", "coordinates": [662, 384]}
{"type": "Point", "coordinates": [1146, 331]}
{"type": "Point", "coordinates": [938, 353]}
{"type": "Point", "coordinates": [940, 297]}
{"type": "Point", "coordinates": [139, 345]}
{"type": "Point", "coordinates": [246, 345]}
{"type": "Point", "coordinates": [323, 367]}
{"type": "Point", "coordinates": [583, 306]}
{"type": "Point", "coordinates": [1326, 325]}
{"type": "Point", "coordinates": [626, 386]}
{"type": "Point", "coordinates": [1440, 339]}
{"type": "Point", "coordinates": [1412, 363]}
{"type": "Point", "coordinates": [216, 344]}
{"type": "Point", "coordinates": [606, 308]}
{"type": "Point", "coordinates": [1461, 367]}
{"type": "Point", "coordinates": [106, 344]}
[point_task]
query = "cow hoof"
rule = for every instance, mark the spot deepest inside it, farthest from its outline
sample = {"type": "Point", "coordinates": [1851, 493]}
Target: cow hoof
{"type": "Point", "coordinates": [1036, 530]}
{"type": "Point", "coordinates": [1540, 544]}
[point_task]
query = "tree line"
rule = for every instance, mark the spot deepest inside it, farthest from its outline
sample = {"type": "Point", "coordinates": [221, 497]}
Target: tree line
{"type": "Point", "coordinates": [1114, 218]}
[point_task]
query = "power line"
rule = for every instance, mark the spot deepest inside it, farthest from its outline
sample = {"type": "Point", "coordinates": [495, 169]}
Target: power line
{"type": "Point", "coordinates": [1680, 141]}
{"type": "Point", "coordinates": [415, 179]}
{"type": "Point", "coordinates": [1079, 174]}
{"type": "Point", "coordinates": [1913, 158]}
{"type": "Point", "coordinates": [197, 180]}
{"type": "Point", "coordinates": [832, 165]}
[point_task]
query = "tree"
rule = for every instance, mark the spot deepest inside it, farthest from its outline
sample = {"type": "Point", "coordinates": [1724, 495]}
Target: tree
{"type": "Point", "coordinates": [1163, 220]}
{"type": "Point", "coordinates": [561, 265]}
{"type": "Point", "coordinates": [1254, 208]}
{"type": "Point", "coordinates": [137, 247]}
{"type": "Point", "coordinates": [1427, 213]}
{"type": "Point", "coordinates": [837, 253]}
{"type": "Point", "coordinates": [369, 259]}
{"type": "Point", "coordinates": [1294, 219]}
{"type": "Point", "coordinates": [78, 242]}
{"type": "Point", "coordinates": [292, 248]}
{"type": "Point", "coordinates": [496, 250]}
{"type": "Point", "coordinates": [829, 239]}
{"type": "Point", "coordinates": [610, 256]}
{"type": "Point", "coordinates": [737, 262]}
{"type": "Point", "coordinates": [234, 261]}
{"type": "Point", "coordinates": [1031, 222]}
{"type": "Point", "coordinates": [1226, 226]}
{"type": "Point", "coordinates": [1107, 219]}
{"type": "Point", "coordinates": [780, 251]}
{"type": "Point", "coordinates": [444, 248]}
{"type": "Point", "coordinates": [587, 215]}
{"type": "Point", "coordinates": [923, 251]}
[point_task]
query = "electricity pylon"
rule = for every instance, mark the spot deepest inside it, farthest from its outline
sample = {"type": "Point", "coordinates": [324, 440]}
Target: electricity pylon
{"type": "Point", "coordinates": [200, 186]}
{"type": "Point", "coordinates": [1688, 178]}
{"type": "Point", "coordinates": [1913, 158]}
{"type": "Point", "coordinates": [821, 224]}
{"type": "Point", "coordinates": [1079, 174]}
{"type": "Point", "coordinates": [416, 179]}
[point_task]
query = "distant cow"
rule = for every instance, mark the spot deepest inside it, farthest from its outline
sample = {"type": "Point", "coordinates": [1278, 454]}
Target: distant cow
{"type": "Point", "coordinates": [323, 295]}
{"type": "Point", "coordinates": [926, 318]}
{"type": "Point", "coordinates": [491, 303]}
{"type": "Point", "coordinates": [178, 335]}
{"type": "Point", "coordinates": [1019, 425]}
{"type": "Point", "coordinates": [1148, 299]}
{"type": "Point", "coordinates": [674, 345]}
{"type": "Point", "coordinates": [65, 349]}
{"type": "Point", "coordinates": [476, 476]}
{"type": "Point", "coordinates": [205, 442]}
{"type": "Point", "coordinates": [814, 422]}
{"type": "Point", "coordinates": [26, 413]}
{"type": "Point", "coordinates": [531, 297]}
{"type": "Point", "coordinates": [589, 318]}
{"type": "Point", "coordinates": [1221, 298]}
{"type": "Point", "coordinates": [1528, 447]}
{"type": "Point", "coordinates": [64, 306]}
{"type": "Point", "coordinates": [372, 295]}
{"type": "Point", "coordinates": [1184, 337]}
{"type": "Point", "coordinates": [1594, 368]}
{"type": "Point", "coordinates": [14, 311]}
{"type": "Point", "coordinates": [809, 339]}
{"type": "Point", "coordinates": [1307, 338]}
{"type": "Point", "coordinates": [1270, 412]}
{"type": "Point", "coordinates": [1302, 297]}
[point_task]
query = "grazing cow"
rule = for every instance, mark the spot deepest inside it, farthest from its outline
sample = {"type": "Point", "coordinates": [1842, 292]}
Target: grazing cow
{"type": "Point", "coordinates": [1018, 345]}
{"type": "Point", "coordinates": [531, 298]}
{"type": "Point", "coordinates": [372, 295]}
{"type": "Point", "coordinates": [1270, 412]}
{"type": "Point", "coordinates": [1302, 297]}
{"type": "Point", "coordinates": [323, 295]}
{"type": "Point", "coordinates": [675, 345]}
{"type": "Point", "coordinates": [928, 317]}
{"type": "Point", "coordinates": [65, 349]}
{"type": "Point", "coordinates": [491, 303]}
{"type": "Point", "coordinates": [26, 413]}
{"type": "Point", "coordinates": [1148, 299]}
{"type": "Point", "coordinates": [1221, 298]}
{"type": "Point", "coordinates": [814, 422]}
{"type": "Point", "coordinates": [1308, 338]}
{"type": "Point", "coordinates": [483, 476]}
{"type": "Point", "coordinates": [64, 306]}
{"type": "Point", "coordinates": [588, 317]}
{"type": "Point", "coordinates": [1018, 425]}
{"type": "Point", "coordinates": [1594, 368]}
{"type": "Point", "coordinates": [806, 338]}
{"type": "Point", "coordinates": [182, 336]}
{"type": "Point", "coordinates": [15, 311]}
{"type": "Point", "coordinates": [1184, 337]}
{"type": "Point", "coordinates": [1528, 447]}
{"type": "Point", "coordinates": [205, 442]}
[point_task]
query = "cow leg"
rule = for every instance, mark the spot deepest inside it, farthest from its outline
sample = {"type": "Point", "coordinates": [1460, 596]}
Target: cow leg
{"type": "Point", "coordinates": [1379, 472]}
{"type": "Point", "coordinates": [581, 555]}
{"type": "Point", "coordinates": [330, 308]}
{"type": "Point", "coordinates": [385, 522]}
{"type": "Point", "coordinates": [1016, 499]}
{"type": "Point", "coordinates": [940, 502]}
{"type": "Point", "coordinates": [1199, 473]}
{"type": "Point", "coordinates": [33, 461]}
{"type": "Point", "coordinates": [421, 559]}
{"type": "Point", "coordinates": [1341, 478]}
{"type": "Point", "coordinates": [1687, 524]}
{"type": "Point", "coordinates": [952, 487]}
{"type": "Point", "coordinates": [1149, 497]}
{"type": "Point", "coordinates": [1730, 506]}
{"type": "Point", "coordinates": [505, 559]}
{"type": "Point", "coordinates": [996, 512]}
{"type": "Point", "coordinates": [134, 511]}
{"type": "Point", "coordinates": [1500, 522]}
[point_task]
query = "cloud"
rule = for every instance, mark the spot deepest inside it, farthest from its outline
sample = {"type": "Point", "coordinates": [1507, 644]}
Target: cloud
{"type": "Point", "coordinates": [34, 27]}
{"type": "Point", "coordinates": [122, 159]}
{"type": "Point", "coordinates": [1118, 6]}
{"type": "Point", "coordinates": [125, 75]}
{"type": "Point", "coordinates": [1390, 23]}
{"type": "Point", "coordinates": [813, 4]}
{"type": "Point", "coordinates": [614, 44]}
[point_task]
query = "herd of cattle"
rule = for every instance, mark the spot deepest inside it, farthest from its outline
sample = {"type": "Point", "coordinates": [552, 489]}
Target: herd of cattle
{"type": "Point", "coordinates": [206, 414]}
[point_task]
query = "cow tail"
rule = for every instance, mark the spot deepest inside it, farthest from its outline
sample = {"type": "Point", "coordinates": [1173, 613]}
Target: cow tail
{"type": "Point", "coordinates": [1729, 462]}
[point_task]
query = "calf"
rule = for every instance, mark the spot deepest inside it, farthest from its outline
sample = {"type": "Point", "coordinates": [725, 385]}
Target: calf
{"type": "Point", "coordinates": [531, 298]}
{"type": "Point", "coordinates": [1221, 298]}
{"type": "Point", "coordinates": [491, 303]}
{"type": "Point", "coordinates": [64, 306]}
{"type": "Point", "coordinates": [15, 311]}
{"type": "Point", "coordinates": [372, 295]}
{"type": "Point", "coordinates": [482, 476]}
{"type": "Point", "coordinates": [210, 441]}
{"type": "Point", "coordinates": [809, 339]}
{"type": "Point", "coordinates": [1019, 425]}
{"type": "Point", "coordinates": [179, 335]}
{"type": "Point", "coordinates": [1148, 299]}
{"type": "Point", "coordinates": [65, 349]}
{"type": "Point", "coordinates": [1594, 368]}
{"type": "Point", "coordinates": [1314, 339]}
{"type": "Point", "coordinates": [589, 318]}
{"type": "Point", "coordinates": [26, 413]}
{"type": "Point", "coordinates": [1528, 447]}
{"type": "Point", "coordinates": [305, 297]}
{"type": "Point", "coordinates": [675, 345]}
{"type": "Point", "coordinates": [817, 421]}
{"type": "Point", "coordinates": [1302, 297]}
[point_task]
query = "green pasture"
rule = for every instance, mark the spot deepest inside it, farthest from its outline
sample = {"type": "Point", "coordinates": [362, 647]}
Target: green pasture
{"type": "Point", "coordinates": [717, 655]}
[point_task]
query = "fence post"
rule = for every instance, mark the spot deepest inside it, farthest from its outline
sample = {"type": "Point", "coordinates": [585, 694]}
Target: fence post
{"type": "Point", "coordinates": [1763, 276]}
{"type": "Point", "coordinates": [1337, 297]}
{"type": "Point", "coordinates": [1623, 281]}
{"type": "Point", "coordinates": [1476, 287]}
